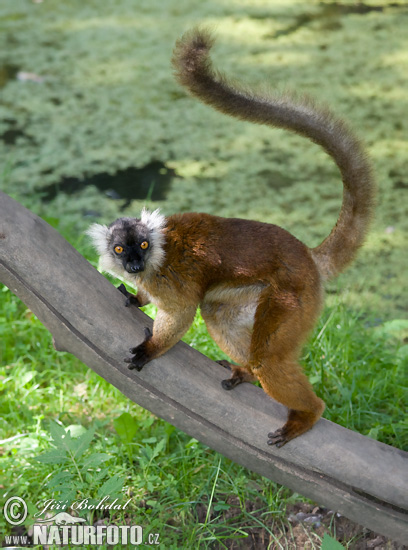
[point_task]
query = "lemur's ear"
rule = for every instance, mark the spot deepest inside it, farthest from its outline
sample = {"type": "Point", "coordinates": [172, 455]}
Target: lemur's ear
{"type": "Point", "coordinates": [155, 223]}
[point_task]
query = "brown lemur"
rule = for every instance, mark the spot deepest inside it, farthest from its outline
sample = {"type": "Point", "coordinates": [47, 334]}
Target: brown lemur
{"type": "Point", "coordinates": [260, 290]}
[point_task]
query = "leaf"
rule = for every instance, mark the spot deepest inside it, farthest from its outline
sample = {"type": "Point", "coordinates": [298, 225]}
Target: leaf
{"type": "Point", "coordinates": [60, 479]}
{"type": "Point", "coordinates": [315, 378]}
{"type": "Point", "coordinates": [147, 452]}
{"type": "Point", "coordinates": [126, 427]}
{"type": "Point", "coordinates": [26, 377]}
{"type": "Point", "coordinates": [57, 433]}
{"type": "Point", "coordinates": [68, 493]}
{"type": "Point", "coordinates": [220, 506]}
{"type": "Point", "coordinates": [61, 438]}
{"type": "Point", "coordinates": [99, 474]}
{"type": "Point", "coordinates": [56, 456]}
{"type": "Point", "coordinates": [329, 543]}
{"type": "Point", "coordinates": [95, 460]}
{"type": "Point", "coordinates": [112, 486]}
{"type": "Point", "coordinates": [76, 430]}
{"type": "Point", "coordinates": [159, 448]}
{"type": "Point", "coordinates": [84, 442]}
{"type": "Point", "coordinates": [149, 440]}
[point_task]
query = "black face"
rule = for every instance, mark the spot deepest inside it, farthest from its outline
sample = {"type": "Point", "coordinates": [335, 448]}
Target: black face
{"type": "Point", "coordinates": [130, 243]}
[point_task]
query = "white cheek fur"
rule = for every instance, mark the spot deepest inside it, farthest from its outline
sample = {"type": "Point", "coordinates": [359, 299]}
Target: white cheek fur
{"type": "Point", "coordinates": [99, 236]}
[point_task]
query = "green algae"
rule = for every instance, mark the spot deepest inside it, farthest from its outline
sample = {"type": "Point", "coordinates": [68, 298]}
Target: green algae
{"type": "Point", "coordinates": [107, 101]}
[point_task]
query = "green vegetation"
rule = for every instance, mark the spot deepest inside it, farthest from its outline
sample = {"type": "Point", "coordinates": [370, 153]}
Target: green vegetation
{"type": "Point", "coordinates": [103, 99]}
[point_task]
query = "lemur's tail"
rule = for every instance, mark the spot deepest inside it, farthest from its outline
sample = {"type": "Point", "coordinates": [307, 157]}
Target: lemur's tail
{"type": "Point", "coordinates": [194, 70]}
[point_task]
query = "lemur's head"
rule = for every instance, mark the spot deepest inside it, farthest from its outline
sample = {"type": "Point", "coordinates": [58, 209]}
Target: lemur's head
{"type": "Point", "coordinates": [130, 245]}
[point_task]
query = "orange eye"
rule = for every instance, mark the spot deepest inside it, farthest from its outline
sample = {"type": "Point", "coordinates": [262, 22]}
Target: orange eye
{"type": "Point", "coordinates": [118, 249]}
{"type": "Point", "coordinates": [144, 245]}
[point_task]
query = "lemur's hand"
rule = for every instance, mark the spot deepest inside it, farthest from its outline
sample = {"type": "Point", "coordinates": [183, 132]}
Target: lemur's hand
{"type": "Point", "coordinates": [140, 355]}
{"type": "Point", "coordinates": [131, 299]}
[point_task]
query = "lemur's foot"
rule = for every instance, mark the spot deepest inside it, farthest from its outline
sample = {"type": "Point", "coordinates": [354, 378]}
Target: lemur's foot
{"type": "Point", "coordinates": [298, 423]}
{"type": "Point", "coordinates": [278, 437]}
{"type": "Point", "coordinates": [238, 375]}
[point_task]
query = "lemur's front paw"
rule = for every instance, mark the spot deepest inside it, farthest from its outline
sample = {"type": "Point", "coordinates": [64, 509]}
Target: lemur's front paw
{"type": "Point", "coordinates": [131, 299]}
{"type": "Point", "coordinates": [140, 353]}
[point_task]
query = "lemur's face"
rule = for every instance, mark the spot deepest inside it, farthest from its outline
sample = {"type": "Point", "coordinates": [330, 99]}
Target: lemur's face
{"type": "Point", "coordinates": [130, 245]}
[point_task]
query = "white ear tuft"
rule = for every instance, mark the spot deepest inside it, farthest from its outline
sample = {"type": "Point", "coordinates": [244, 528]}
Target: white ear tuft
{"type": "Point", "coordinates": [99, 236]}
{"type": "Point", "coordinates": [153, 220]}
{"type": "Point", "coordinates": [155, 223]}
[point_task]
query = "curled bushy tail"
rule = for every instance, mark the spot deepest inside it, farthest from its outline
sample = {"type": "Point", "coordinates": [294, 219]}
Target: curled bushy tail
{"type": "Point", "coordinates": [194, 70]}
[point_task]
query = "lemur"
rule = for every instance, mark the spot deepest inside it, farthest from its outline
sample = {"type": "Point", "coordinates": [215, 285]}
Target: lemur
{"type": "Point", "coordinates": [260, 289]}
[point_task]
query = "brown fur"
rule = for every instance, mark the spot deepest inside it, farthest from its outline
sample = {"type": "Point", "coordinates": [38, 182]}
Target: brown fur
{"type": "Point", "coordinates": [260, 293]}
{"type": "Point", "coordinates": [259, 288]}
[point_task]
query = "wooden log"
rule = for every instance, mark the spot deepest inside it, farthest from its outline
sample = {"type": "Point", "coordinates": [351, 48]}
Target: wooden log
{"type": "Point", "coordinates": [360, 478]}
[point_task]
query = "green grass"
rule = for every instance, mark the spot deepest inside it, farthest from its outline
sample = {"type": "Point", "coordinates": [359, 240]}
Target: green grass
{"type": "Point", "coordinates": [178, 487]}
